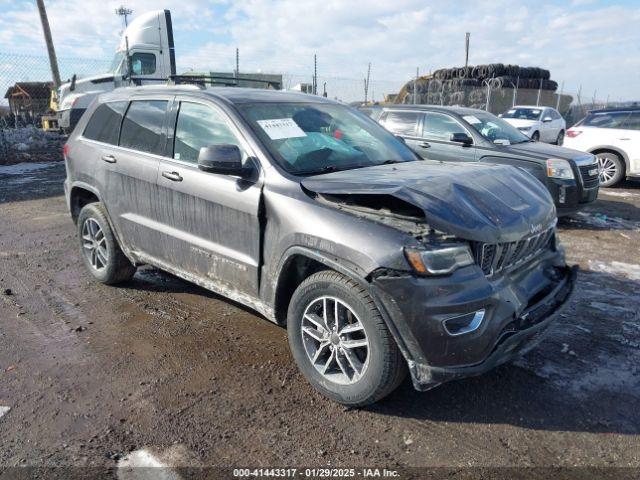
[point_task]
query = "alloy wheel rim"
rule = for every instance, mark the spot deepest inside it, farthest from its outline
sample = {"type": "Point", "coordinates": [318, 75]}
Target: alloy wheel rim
{"type": "Point", "coordinates": [94, 244]}
{"type": "Point", "coordinates": [607, 169]}
{"type": "Point", "coordinates": [335, 340]}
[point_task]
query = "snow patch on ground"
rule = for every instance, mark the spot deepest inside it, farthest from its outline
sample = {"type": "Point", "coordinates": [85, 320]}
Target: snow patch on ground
{"type": "Point", "coordinates": [629, 270]}
{"type": "Point", "coordinates": [151, 464]}
{"type": "Point", "coordinates": [604, 221]}
{"type": "Point", "coordinates": [4, 411]}
{"type": "Point", "coordinates": [612, 193]}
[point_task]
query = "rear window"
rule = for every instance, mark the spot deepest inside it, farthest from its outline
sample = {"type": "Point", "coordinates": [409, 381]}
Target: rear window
{"type": "Point", "coordinates": [104, 124]}
{"type": "Point", "coordinates": [605, 120]}
{"type": "Point", "coordinates": [142, 126]}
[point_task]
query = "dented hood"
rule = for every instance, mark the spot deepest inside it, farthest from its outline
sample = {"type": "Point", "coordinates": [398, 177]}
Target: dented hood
{"type": "Point", "coordinates": [479, 202]}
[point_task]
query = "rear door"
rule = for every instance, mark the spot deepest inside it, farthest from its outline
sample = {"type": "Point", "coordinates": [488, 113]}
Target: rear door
{"type": "Point", "coordinates": [436, 144]}
{"type": "Point", "coordinates": [131, 169]}
{"type": "Point", "coordinates": [629, 141]}
{"type": "Point", "coordinates": [210, 222]}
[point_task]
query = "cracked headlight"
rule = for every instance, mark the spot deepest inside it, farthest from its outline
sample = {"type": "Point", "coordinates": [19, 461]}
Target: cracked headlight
{"type": "Point", "coordinates": [558, 168]}
{"type": "Point", "coordinates": [439, 261]}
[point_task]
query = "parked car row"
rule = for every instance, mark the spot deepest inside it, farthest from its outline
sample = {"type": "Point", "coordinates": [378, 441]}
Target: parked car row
{"type": "Point", "coordinates": [457, 134]}
{"type": "Point", "coordinates": [377, 261]}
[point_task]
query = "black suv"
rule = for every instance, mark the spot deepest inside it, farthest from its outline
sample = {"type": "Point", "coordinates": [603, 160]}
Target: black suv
{"type": "Point", "coordinates": [469, 135]}
{"type": "Point", "coordinates": [310, 213]}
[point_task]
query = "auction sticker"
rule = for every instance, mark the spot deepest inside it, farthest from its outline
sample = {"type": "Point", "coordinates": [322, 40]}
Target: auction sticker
{"type": "Point", "coordinates": [279, 128]}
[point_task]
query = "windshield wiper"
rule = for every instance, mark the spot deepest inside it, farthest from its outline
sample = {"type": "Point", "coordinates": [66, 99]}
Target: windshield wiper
{"type": "Point", "coordinates": [330, 169]}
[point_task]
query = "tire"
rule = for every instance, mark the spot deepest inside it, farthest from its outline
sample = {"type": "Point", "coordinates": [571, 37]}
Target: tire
{"type": "Point", "coordinates": [560, 138]}
{"type": "Point", "coordinates": [536, 136]}
{"type": "Point", "coordinates": [382, 367]}
{"type": "Point", "coordinates": [99, 247]}
{"type": "Point", "coordinates": [611, 168]}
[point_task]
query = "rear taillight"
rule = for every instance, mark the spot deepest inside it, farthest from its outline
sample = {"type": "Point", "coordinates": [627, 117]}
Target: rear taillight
{"type": "Point", "coordinates": [573, 133]}
{"type": "Point", "coordinates": [65, 150]}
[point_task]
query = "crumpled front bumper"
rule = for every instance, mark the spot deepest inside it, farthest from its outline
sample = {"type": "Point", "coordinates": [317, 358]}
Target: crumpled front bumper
{"type": "Point", "coordinates": [519, 311]}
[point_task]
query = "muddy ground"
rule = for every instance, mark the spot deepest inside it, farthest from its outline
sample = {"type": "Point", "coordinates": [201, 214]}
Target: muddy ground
{"type": "Point", "coordinates": [182, 377]}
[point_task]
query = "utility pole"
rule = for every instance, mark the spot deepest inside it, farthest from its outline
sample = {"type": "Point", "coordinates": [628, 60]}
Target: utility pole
{"type": "Point", "coordinates": [53, 60]}
{"type": "Point", "coordinates": [366, 84]}
{"type": "Point", "coordinates": [315, 74]}
{"type": "Point", "coordinates": [559, 95]}
{"type": "Point", "coordinates": [237, 62]}
{"type": "Point", "coordinates": [466, 49]}
{"type": "Point", "coordinates": [124, 12]}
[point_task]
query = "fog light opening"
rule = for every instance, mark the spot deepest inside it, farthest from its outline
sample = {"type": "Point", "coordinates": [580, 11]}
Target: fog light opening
{"type": "Point", "coordinates": [461, 324]}
{"type": "Point", "coordinates": [562, 196]}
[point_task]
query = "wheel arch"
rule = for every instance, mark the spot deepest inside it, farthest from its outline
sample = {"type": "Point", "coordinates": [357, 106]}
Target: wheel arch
{"type": "Point", "coordinates": [614, 150]}
{"type": "Point", "coordinates": [296, 265]}
{"type": "Point", "coordinates": [286, 283]}
{"type": "Point", "coordinates": [80, 195]}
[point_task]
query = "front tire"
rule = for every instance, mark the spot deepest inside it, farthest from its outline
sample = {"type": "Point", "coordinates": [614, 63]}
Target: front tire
{"type": "Point", "coordinates": [536, 136]}
{"type": "Point", "coordinates": [99, 247]}
{"type": "Point", "coordinates": [340, 341]}
{"type": "Point", "coordinates": [560, 138]}
{"type": "Point", "coordinates": [611, 168]}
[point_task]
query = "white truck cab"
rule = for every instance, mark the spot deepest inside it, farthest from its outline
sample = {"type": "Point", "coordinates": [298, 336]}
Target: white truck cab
{"type": "Point", "coordinates": [145, 55]}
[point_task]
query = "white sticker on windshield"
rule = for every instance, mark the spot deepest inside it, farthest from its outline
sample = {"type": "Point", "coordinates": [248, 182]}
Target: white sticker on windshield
{"type": "Point", "coordinates": [472, 119]}
{"type": "Point", "coordinates": [279, 128]}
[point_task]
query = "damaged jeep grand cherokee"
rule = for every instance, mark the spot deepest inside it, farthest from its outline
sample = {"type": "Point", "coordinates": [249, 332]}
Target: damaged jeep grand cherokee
{"type": "Point", "coordinates": [303, 209]}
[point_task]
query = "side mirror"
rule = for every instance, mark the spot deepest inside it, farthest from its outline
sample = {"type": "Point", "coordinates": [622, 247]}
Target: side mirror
{"type": "Point", "coordinates": [462, 138]}
{"type": "Point", "coordinates": [547, 119]}
{"type": "Point", "coordinates": [221, 158]}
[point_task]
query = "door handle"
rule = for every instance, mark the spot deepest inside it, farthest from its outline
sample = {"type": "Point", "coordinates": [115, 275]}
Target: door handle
{"type": "Point", "coordinates": [109, 159]}
{"type": "Point", "coordinates": [424, 144]}
{"type": "Point", "coordinates": [173, 176]}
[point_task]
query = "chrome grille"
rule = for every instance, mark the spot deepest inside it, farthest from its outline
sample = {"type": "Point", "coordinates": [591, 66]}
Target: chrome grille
{"type": "Point", "coordinates": [496, 257]}
{"type": "Point", "coordinates": [588, 180]}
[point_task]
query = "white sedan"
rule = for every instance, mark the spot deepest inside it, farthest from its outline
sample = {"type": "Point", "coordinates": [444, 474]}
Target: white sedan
{"type": "Point", "coordinates": [543, 124]}
{"type": "Point", "coordinates": [612, 135]}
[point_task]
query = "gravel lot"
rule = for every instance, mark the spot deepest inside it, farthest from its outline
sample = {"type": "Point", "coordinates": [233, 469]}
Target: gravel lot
{"type": "Point", "coordinates": [162, 371]}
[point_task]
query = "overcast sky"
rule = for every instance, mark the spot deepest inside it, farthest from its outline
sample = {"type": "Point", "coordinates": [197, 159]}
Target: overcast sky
{"type": "Point", "coordinates": [591, 43]}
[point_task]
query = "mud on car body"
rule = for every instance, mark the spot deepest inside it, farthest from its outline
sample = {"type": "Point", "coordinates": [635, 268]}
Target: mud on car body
{"type": "Point", "coordinates": [321, 220]}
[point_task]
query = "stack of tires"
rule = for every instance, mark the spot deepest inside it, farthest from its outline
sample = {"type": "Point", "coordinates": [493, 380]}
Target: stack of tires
{"type": "Point", "coordinates": [469, 86]}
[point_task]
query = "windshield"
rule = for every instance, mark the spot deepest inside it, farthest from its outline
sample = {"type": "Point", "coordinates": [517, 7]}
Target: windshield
{"type": "Point", "coordinates": [116, 62]}
{"type": "Point", "coordinates": [311, 138]}
{"type": "Point", "coordinates": [493, 128]}
{"type": "Point", "coordinates": [523, 113]}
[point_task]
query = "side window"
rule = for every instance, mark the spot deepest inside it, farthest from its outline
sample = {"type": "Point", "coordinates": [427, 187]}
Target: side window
{"type": "Point", "coordinates": [142, 126]}
{"type": "Point", "coordinates": [605, 120]}
{"type": "Point", "coordinates": [632, 122]}
{"type": "Point", "coordinates": [200, 126]}
{"type": "Point", "coordinates": [104, 124]}
{"type": "Point", "coordinates": [401, 123]}
{"type": "Point", "coordinates": [555, 115]}
{"type": "Point", "coordinates": [143, 63]}
{"type": "Point", "coordinates": [438, 126]}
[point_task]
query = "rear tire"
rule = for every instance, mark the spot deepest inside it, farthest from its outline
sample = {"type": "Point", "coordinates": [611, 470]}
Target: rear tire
{"type": "Point", "coordinates": [99, 247]}
{"type": "Point", "coordinates": [536, 136]}
{"type": "Point", "coordinates": [348, 374]}
{"type": "Point", "coordinates": [611, 168]}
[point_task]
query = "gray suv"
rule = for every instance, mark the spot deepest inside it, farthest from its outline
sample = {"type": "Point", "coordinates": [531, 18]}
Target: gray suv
{"type": "Point", "coordinates": [309, 212]}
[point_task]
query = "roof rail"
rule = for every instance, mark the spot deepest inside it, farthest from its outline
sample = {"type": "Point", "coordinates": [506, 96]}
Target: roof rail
{"type": "Point", "coordinates": [202, 80]}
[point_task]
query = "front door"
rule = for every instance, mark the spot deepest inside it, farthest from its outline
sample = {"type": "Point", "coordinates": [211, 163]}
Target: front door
{"type": "Point", "coordinates": [211, 225]}
{"type": "Point", "coordinates": [435, 142]}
